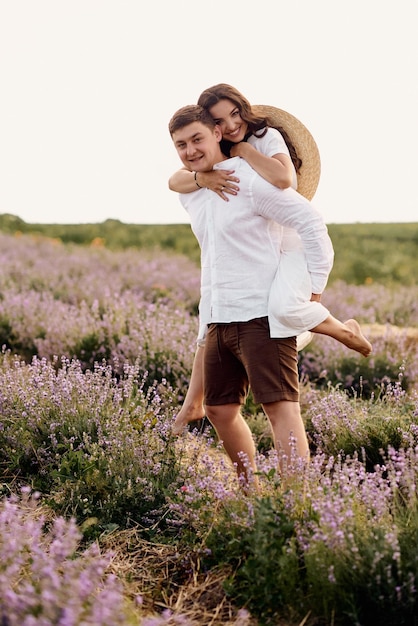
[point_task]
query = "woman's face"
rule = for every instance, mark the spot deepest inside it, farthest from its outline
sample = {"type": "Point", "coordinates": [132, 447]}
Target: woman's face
{"type": "Point", "coordinates": [227, 115]}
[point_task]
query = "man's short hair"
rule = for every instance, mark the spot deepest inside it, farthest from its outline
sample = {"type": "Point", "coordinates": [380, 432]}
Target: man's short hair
{"type": "Point", "coordinates": [189, 114]}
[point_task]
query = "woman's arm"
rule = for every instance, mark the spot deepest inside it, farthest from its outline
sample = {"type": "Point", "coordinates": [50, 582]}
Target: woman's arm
{"type": "Point", "coordinates": [182, 181]}
{"type": "Point", "coordinates": [219, 181]}
{"type": "Point", "coordinates": [276, 169]}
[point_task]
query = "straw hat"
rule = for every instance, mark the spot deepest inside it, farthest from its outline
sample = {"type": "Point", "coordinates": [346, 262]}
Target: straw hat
{"type": "Point", "coordinates": [305, 146]}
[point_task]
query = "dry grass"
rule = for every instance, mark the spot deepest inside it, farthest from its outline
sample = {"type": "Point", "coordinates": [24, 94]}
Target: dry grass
{"type": "Point", "coordinates": [167, 579]}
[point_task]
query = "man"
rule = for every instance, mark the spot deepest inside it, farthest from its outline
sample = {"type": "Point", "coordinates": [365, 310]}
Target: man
{"type": "Point", "coordinates": [240, 246]}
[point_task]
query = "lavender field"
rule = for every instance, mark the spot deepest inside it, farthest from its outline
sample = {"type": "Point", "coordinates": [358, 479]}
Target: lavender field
{"type": "Point", "coordinates": [107, 519]}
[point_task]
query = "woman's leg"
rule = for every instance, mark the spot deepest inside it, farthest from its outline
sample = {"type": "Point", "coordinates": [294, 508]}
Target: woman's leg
{"type": "Point", "coordinates": [192, 408]}
{"type": "Point", "coordinates": [348, 333]}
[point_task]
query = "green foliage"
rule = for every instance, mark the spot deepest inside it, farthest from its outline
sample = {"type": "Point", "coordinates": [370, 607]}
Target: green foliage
{"type": "Point", "coordinates": [265, 564]}
{"type": "Point", "coordinates": [338, 425]}
{"type": "Point", "coordinates": [111, 488]}
{"type": "Point", "coordinates": [365, 378]}
{"type": "Point", "coordinates": [23, 346]}
{"type": "Point", "coordinates": [261, 430]}
{"type": "Point", "coordinates": [364, 253]}
{"type": "Point", "coordinates": [97, 445]}
{"type": "Point", "coordinates": [364, 580]}
{"type": "Point", "coordinates": [6, 329]}
{"type": "Point", "coordinates": [91, 348]}
{"type": "Point", "coordinates": [113, 234]}
{"type": "Point", "coordinates": [380, 253]}
{"type": "Point", "coordinates": [94, 445]}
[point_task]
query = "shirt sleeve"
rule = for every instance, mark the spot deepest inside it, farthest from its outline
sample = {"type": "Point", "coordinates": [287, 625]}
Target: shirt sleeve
{"type": "Point", "coordinates": [273, 143]}
{"type": "Point", "coordinates": [289, 208]}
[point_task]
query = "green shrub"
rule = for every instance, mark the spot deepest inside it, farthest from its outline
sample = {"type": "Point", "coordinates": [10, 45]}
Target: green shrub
{"type": "Point", "coordinates": [265, 577]}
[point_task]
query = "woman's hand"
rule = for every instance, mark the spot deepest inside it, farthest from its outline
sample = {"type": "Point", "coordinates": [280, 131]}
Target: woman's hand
{"type": "Point", "coordinates": [221, 182]}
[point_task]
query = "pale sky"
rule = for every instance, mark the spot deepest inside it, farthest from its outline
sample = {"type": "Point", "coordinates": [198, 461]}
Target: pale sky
{"type": "Point", "coordinates": [87, 88]}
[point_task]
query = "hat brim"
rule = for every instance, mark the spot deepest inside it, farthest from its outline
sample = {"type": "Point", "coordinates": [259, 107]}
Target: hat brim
{"type": "Point", "coordinates": [305, 146]}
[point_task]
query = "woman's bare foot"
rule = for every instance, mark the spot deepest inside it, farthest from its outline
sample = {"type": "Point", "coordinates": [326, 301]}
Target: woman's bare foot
{"type": "Point", "coordinates": [185, 416]}
{"type": "Point", "coordinates": [357, 341]}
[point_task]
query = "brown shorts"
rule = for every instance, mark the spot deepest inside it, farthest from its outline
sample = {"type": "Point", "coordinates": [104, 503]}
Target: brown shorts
{"type": "Point", "coordinates": [242, 355]}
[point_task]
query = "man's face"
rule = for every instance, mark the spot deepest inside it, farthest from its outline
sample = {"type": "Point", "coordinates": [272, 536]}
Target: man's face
{"type": "Point", "coordinates": [198, 146]}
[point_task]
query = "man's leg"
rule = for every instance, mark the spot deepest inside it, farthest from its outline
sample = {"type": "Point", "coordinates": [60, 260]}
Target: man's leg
{"type": "Point", "coordinates": [235, 435]}
{"type": "Point", "coordinates": [273, 375]}
{"type": "Point", "coordinates": [288, 430]}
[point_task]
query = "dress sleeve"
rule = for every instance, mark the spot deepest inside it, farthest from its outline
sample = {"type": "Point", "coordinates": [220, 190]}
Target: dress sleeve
{"type": "Point", "coordinates": [270, 144]}
{"type": "Point", "coordinates": [290, 209]}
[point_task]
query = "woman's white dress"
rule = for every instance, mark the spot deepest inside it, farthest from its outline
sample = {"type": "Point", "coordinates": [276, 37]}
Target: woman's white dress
{"type": "Point", "coordinates": [291, 311]}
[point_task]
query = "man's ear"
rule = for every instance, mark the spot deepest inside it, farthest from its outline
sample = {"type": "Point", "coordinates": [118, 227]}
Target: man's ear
{"type": "Point", "coordinates": [218, 134]}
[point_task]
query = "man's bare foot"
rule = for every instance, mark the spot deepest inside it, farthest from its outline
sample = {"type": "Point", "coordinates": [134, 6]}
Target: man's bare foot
{"type": "Point", "coordinates": [185, 416]}
{"type": "Point", "coordinates": [357, 341]}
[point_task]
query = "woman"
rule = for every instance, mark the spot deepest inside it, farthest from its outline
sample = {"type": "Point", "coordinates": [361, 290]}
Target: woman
{"type": "Point", "coordinates": [252, 133]}
{"type": "Point", "coordinates": [240, 124]}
